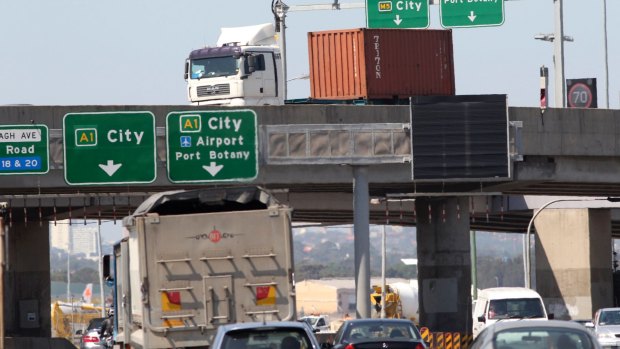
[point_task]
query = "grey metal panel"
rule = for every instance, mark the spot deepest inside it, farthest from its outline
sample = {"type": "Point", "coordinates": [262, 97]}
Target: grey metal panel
{"type": "Point", "coordinates": [353, 144]}
{"type": "Point", "coordinates": [460, 138]}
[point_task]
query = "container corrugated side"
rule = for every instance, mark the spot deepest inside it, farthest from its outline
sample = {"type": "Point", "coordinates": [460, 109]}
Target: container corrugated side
{"type": "Point", "coordinates": [336, 64]}
{"type": "Point", "coordinates": [380, 63]}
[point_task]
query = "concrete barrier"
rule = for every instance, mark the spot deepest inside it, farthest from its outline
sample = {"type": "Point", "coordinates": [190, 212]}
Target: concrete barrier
{"type": "Point", "coordinates": [446, 340]}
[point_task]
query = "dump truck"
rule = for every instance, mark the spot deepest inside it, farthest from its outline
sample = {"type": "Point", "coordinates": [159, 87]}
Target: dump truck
{"type": "Point", "coordinates": [191, 261]}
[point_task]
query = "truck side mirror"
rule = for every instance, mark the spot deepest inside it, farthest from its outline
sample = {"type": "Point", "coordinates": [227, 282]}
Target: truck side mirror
{"type": "Point", "coordinates": [186, 75]}
{"type": "Point", "coordinates": [251, 64]}
{"type": "Point", "coordinates": [550, 316]}
{"type": "Point", "coordinates": [107, 272]}
{"type": "Point", "coordinates": [482, 319]}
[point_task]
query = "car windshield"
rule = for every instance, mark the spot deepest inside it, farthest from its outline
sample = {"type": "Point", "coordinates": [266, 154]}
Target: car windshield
{"type": "Point", "coordinates": [267, 338]}
{"type": "Point", "coordinates": [95, 324]}
{"type": "Point", "coordinates": [380, 330]}
{"type": "Point", "coordinates": [609, 317]}
{"type": "Point", "coordinates": [515, 308]}
{"type": "Point", "coordinates": [542, 338]}
{"type": "Point", "coordinates": [213, 67]}
{"type": "Point", "coordinates": [311, 320]}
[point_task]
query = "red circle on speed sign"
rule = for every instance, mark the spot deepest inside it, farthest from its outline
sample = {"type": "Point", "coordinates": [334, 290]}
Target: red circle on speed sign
{"type": "Point", "coordinates": [580, 96]}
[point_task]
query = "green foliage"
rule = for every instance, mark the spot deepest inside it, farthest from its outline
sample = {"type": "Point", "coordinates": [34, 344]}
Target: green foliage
{"type": "Point", "coordinates": [500, 271]}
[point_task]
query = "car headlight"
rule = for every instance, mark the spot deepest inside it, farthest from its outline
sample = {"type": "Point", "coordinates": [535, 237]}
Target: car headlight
{"type": "Point", "coordinates": [604, 335]}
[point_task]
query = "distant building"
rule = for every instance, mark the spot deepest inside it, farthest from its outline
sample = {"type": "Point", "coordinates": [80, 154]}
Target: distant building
{"type": "Point", "coordinates": [84, 240]}
{"type": "Point", "coordinates": [75, 238]}
{"type": "Point", "coordinates": [59, 235]}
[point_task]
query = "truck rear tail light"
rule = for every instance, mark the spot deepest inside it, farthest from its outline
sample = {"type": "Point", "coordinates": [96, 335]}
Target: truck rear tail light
{"type": "Point", "coordinates": [350, 346]}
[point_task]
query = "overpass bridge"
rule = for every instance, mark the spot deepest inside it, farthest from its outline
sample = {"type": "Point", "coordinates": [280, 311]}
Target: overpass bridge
{"type": "Point", "coordinates": [563, 152]}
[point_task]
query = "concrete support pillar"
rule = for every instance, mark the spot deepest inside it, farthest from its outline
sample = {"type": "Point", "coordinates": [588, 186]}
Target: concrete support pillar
{"type": "Point", "coordinates": [27, 281]}
{"type": "Point", "coordinates": [361, 232]}
{"type": "Point", "coordinates": [574, 261]}
{"type": "Point", "coordinates": [444, 265]}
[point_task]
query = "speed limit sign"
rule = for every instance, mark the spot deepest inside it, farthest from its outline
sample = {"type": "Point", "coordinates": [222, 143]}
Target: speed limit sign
{"type": "Point", "coordinates": [581, 93]}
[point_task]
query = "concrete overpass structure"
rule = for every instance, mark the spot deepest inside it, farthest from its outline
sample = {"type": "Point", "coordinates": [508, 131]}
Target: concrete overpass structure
{"type": "Point", "coordinates": [563, 152]}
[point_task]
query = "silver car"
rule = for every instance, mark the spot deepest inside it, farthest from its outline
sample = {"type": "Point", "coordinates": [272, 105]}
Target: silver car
{"type": "Point", "coordinates": [606, 326]}
{"type": "Point", "coordinates": [91, 337]}
{"type": "Point", "coordinates": [535, 334]}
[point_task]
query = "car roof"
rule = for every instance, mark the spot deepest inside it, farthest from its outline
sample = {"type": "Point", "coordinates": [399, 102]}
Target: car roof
{"type": "Point", "coordinates": [362, 321]}
{"type": "Point", "coordinates": [508, 292]}
{"type": "Point", "coordinates": [503, 325]}
{"type": "Point", "coordinates": [279, 324]}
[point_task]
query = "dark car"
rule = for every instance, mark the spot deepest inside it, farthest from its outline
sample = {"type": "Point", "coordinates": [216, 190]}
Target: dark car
{"type": "Point", "coordinates": [91, 337]}
{"type": "Point", "coordinates": [378, 333]}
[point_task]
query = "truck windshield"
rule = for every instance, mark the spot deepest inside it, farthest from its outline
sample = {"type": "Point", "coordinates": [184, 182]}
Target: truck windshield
{"type": "Point", "coordinates": [515, 308]}
{"type": "Point", "coordinates": [213, 67]}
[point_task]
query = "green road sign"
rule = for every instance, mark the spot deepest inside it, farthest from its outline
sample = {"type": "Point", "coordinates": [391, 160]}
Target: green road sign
{"type": "Point", "coordinates": [109, 148]}
{"type": "Point", "coordinates": [24, 149]}
{"type": "Point", "coordinates": [397, 14]}
{"type": "Point", "coordinates": [471, 13]}
{"type": "Point", "coordinates": [212, 146]}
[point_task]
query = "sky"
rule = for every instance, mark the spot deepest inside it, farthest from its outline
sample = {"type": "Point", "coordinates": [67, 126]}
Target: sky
{"type": "Point", "coordinates": [132, 52]}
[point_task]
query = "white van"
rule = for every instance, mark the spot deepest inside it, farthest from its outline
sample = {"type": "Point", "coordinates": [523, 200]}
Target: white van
{"type": "Point", "coordinates": [506, 303]}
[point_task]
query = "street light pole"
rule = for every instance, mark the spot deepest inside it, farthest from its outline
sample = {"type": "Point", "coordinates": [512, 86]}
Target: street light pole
{"type": "Point", "coordinates": [560, 86]}
{"type": "Point", "coordinates": [606, 57]}
{"type": "Point", "coordinates": [528, 266]}
{"type": "Point", "coordinates": [280, 9]}
{"type": "Point", "coordinates": [558, 54]}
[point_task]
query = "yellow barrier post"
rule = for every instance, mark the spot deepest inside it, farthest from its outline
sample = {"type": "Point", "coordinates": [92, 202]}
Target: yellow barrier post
{"type": "Point", "coordinates": [439, 343]}
{"type": "Point", "coordinates": [456, 340]}
{"type": "Point", "coordinates": [448, 340]}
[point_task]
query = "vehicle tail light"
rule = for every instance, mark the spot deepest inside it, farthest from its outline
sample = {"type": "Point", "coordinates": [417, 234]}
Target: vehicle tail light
{"type": "Point", "coordinates": [93, 339]}
{"type": "Point", "coordinates": [350, 346]}
{"type": "Point", "coordinates": [419, 346]}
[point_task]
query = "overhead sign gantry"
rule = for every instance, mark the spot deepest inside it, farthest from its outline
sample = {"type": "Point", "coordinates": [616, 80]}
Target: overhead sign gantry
{"type": "Point", "coordinates": [109, 148]}
{"type": "Point", "coordinates": [471, 13]}
{"type": "Point", "coordinates": [397, 14]}
{"type": "Point", "coordinates": [212, 146]}
{"type": "Point", "coordinates": [24, 149]}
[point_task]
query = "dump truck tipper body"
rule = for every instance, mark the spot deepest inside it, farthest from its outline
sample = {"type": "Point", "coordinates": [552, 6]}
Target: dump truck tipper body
{"type": "Point", "coordinates": [194, 260]}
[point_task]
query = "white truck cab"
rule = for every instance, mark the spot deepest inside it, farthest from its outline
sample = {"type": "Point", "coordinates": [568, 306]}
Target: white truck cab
{"type": "Point", "coordinates": [507, 304]}
{"type": "Point", "coordinates": [243, 69]}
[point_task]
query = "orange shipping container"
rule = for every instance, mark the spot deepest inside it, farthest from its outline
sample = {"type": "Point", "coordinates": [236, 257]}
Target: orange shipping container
{"type": "Point", "coordinates": [380, 63]}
